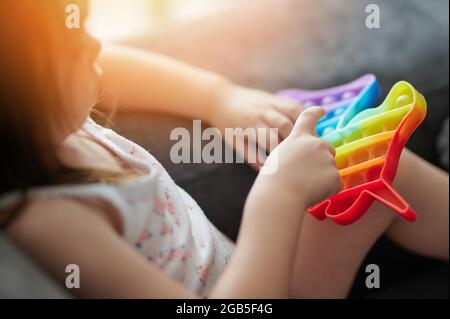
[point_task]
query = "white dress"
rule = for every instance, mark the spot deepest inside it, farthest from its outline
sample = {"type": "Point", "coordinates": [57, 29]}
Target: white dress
{"type": "Point", "coordinates": [160, 220]}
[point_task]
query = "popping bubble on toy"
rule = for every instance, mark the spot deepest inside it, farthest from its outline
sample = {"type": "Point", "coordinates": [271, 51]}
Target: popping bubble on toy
{"type": "Point", "coordinates": [368, 147]}
{"type": "Point", "coordinates": [357, 95]}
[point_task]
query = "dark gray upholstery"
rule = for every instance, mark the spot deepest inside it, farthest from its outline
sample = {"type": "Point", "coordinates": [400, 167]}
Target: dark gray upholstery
{"type": "Point", "coordinates": [20, 277]}
{"type": "Point", "coordinates": [275, 44]}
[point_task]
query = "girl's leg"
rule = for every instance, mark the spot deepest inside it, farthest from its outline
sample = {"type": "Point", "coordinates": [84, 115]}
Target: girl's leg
{"type": "Point", "coordinates": [329, 255]}
{"type": "Point", "coordinates": [426, 188]}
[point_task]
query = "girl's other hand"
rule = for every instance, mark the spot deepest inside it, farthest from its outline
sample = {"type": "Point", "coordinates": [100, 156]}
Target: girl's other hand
{"type": "Point", "coordinates": [244, 108]}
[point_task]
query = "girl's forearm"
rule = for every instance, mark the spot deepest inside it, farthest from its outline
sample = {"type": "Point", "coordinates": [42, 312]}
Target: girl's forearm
{"type": "Point", "coordinates": [261, 266]}
{"type": "Point", "coordinates": [145, 81]}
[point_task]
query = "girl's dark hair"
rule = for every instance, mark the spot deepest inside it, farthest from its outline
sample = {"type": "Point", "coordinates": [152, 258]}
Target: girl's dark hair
{"type": "Point", "coordinates": [38, 54]}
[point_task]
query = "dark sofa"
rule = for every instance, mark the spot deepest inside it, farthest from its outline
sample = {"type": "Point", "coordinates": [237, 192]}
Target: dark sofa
{"type": "Point", "coordinates": [272, 45]}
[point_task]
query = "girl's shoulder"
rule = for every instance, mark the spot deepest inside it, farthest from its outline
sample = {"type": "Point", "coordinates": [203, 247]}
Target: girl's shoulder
{"type": "Point", "coordinates": [127, 150]}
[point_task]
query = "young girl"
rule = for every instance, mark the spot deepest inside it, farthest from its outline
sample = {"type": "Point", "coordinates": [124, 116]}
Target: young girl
{"type": "Point", "coordinates": [73, 192]}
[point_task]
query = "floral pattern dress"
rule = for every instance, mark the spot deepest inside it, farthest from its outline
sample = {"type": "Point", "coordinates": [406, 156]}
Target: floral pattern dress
{"type": "Point", "coordinates": [160, 220]}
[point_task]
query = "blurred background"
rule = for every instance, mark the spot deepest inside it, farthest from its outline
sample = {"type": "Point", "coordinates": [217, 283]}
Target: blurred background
{"type": "Point", "coordinates": [118, 19]}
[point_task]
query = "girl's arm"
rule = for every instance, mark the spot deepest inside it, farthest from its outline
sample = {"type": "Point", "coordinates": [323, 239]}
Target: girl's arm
{"type": "Point", "coordinates": [146, 81]}
{"type": "Point", "coordinates": [60, 232]}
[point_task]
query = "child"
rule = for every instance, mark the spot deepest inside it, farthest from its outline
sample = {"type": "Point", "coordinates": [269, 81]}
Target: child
{"type": "Point", "coordinates": [73, 192]}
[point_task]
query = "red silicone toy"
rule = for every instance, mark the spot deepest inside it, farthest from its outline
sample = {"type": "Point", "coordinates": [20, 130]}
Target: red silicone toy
{"type": "Point", "coordinates": [368, 149]}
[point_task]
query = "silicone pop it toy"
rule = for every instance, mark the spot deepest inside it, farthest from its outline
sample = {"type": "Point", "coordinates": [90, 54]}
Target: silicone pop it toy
{"type": "Point", "coordinates": [359, 94]}
{"type": "Point", "coordinates": [368, 146]}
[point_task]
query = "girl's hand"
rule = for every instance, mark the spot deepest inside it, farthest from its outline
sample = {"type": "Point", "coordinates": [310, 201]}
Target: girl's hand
{"type": "Point", "coordinates": [268, 239]}
{"type": "Point", "coordinates": [244, 108]}
{"type": "Point", "coordinates": [306, 170]}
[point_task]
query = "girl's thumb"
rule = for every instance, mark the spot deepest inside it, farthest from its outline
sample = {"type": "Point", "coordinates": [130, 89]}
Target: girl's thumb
{"type": "Point", "coordinates": [306, 123]}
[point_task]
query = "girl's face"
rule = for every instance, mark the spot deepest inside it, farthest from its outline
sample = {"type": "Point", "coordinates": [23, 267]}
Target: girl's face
{"type": "Point", "coordinates": [84, 89]}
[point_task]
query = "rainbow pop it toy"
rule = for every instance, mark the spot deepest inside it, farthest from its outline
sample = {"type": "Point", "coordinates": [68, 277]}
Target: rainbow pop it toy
{"type": "Point", "coordinates": [359, 94]}
{"type": "Point", "coordinates": [368, 143]}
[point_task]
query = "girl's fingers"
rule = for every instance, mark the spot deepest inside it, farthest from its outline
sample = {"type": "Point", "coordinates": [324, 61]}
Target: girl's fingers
{"type": "Point", "coordinates": [331, 149]}
{"type": "Point", "coordinates": [246, 147]}
{"type": "Point", "coordinates": [273, 138]}
{"type": "Point", "coordinates": [251, 155]}
{"type": "Point", "coordinates": [270, 139]}
{"type": "Point", "coordinates": [306, 123]}
{"type": "Point", "coordinates": [277, 120]}
{"type": "Point", "coordinates": [254, 162]}
{"type": "Point", "coordinates": [288, 107]}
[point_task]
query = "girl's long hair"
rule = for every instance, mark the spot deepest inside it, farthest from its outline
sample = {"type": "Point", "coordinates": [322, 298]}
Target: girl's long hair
{"type": "Point", "coordinates": [38, 54]}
